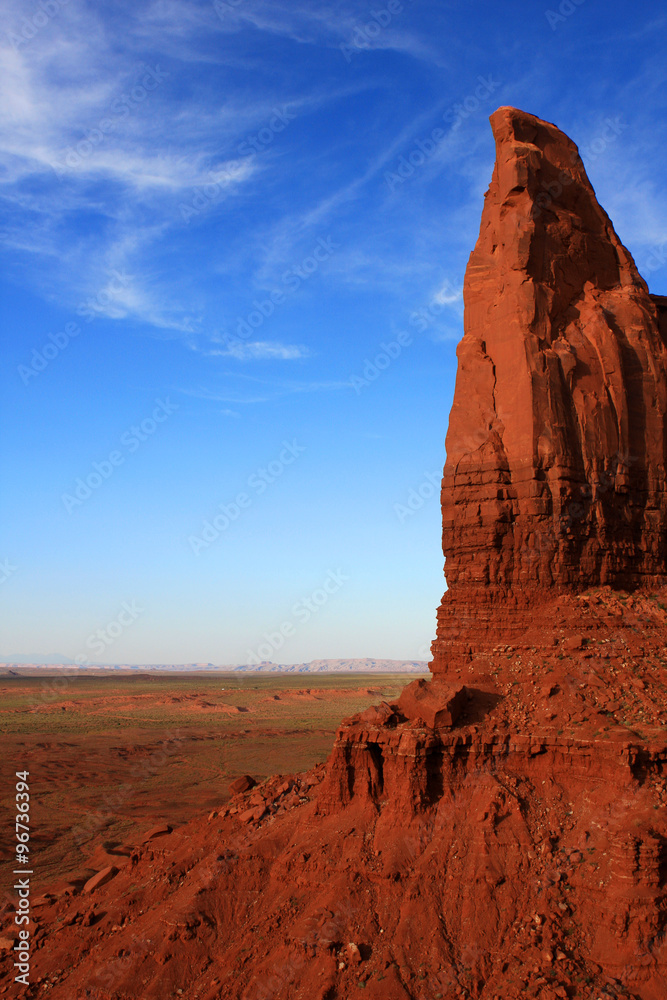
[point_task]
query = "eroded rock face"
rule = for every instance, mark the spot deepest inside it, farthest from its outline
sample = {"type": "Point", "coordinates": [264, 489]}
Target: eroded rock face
{"type": "Point", "coordinates": [434, 705]}
{"type": "Point", "coordinates": [555, 472]}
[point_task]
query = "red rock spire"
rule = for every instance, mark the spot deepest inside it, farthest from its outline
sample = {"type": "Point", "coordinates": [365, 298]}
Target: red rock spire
{"type": "Point", "coordinates": [555, 471]}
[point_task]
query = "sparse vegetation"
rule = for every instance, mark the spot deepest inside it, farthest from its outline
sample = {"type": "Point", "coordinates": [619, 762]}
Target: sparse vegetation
{"type": "Point", "coordinates": [132, 750]}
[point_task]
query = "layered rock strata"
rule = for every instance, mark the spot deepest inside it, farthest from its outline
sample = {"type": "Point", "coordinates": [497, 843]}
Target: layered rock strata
{"type": "Point", "coordinates": [555, 472]}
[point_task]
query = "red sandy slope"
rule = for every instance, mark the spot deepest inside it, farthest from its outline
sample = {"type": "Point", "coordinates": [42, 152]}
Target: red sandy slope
{"type": "Point", "coordinates": [521, 853]}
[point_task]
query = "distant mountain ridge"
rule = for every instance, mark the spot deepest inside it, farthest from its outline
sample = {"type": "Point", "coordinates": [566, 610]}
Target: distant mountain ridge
{"type": "Point", "coordinates": [362, 665]}
{"type": "Point", "coordinates": [342, 666]}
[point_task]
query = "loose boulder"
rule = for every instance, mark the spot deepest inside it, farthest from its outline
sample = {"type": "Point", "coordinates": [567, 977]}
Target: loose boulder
{"type": "Point", "coordinates": [437, 704]}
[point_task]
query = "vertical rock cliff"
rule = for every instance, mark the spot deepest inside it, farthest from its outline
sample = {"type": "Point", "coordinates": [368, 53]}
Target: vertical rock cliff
{"type": "Point", "coordinates": [555, 471]}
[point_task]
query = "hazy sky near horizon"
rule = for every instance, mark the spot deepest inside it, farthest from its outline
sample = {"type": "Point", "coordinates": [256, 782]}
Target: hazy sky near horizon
{"type": "Point", "coordinates": [215, 217]}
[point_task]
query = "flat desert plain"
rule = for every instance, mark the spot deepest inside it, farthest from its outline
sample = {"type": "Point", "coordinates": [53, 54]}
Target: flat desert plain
{"type": "Point", "coordinates": [112, 757]}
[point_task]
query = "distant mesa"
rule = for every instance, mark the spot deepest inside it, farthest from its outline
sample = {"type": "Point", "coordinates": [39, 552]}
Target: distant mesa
{"type": "Point", "coordinates": [311, 667]}
{"type": "Point", "coordinates": [343, 666]}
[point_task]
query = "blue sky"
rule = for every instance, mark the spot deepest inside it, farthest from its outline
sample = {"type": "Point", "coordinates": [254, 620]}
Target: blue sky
{"type": "Point", "coordinates": [214, 219]}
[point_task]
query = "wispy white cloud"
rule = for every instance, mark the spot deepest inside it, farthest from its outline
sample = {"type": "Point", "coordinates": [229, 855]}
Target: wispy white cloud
{"type": "Point", "coordinates": [268, 389]}
{"type": "Point", "coordinates": [260, 350]}
{"type": "Point", "coordinates": [91, 129]}
{"type": "Point", "coordinates": [281, 244]}
{"type": "Point", "coordinates": [82, 212]}
{"type": "Point", "coordinates": [90, 135]}
{"type": "Point", "coordinates": [448, 294]}
{"type": "Point", "coordinates": [620, 145]}
{"type": "Point", "coordinates": [341, 24]}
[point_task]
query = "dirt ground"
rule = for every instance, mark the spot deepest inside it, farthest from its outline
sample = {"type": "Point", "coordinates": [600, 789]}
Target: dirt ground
{"type": "Point", "coordinates": [110, 757]}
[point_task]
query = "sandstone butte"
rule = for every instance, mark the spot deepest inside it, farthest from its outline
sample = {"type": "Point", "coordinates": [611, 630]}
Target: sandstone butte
{"type": "Point", "coordinates": [555, 475]}
{"type": "Point", "coordinates": [501, 832]}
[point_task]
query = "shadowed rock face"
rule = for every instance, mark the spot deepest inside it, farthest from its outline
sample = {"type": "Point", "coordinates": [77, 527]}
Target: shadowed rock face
{"type": "Point", "coordinates": [555, 471]}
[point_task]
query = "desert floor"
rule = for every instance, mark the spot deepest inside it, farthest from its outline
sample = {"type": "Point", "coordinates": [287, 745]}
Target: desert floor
{"type": "Point", "coordinates": [110, 757]}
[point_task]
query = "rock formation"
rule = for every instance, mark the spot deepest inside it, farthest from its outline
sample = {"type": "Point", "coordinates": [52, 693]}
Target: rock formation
{"type": "Point", "coordinates": [555, 473]}
{"type": "Point", "coordinates": [499, 833]}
